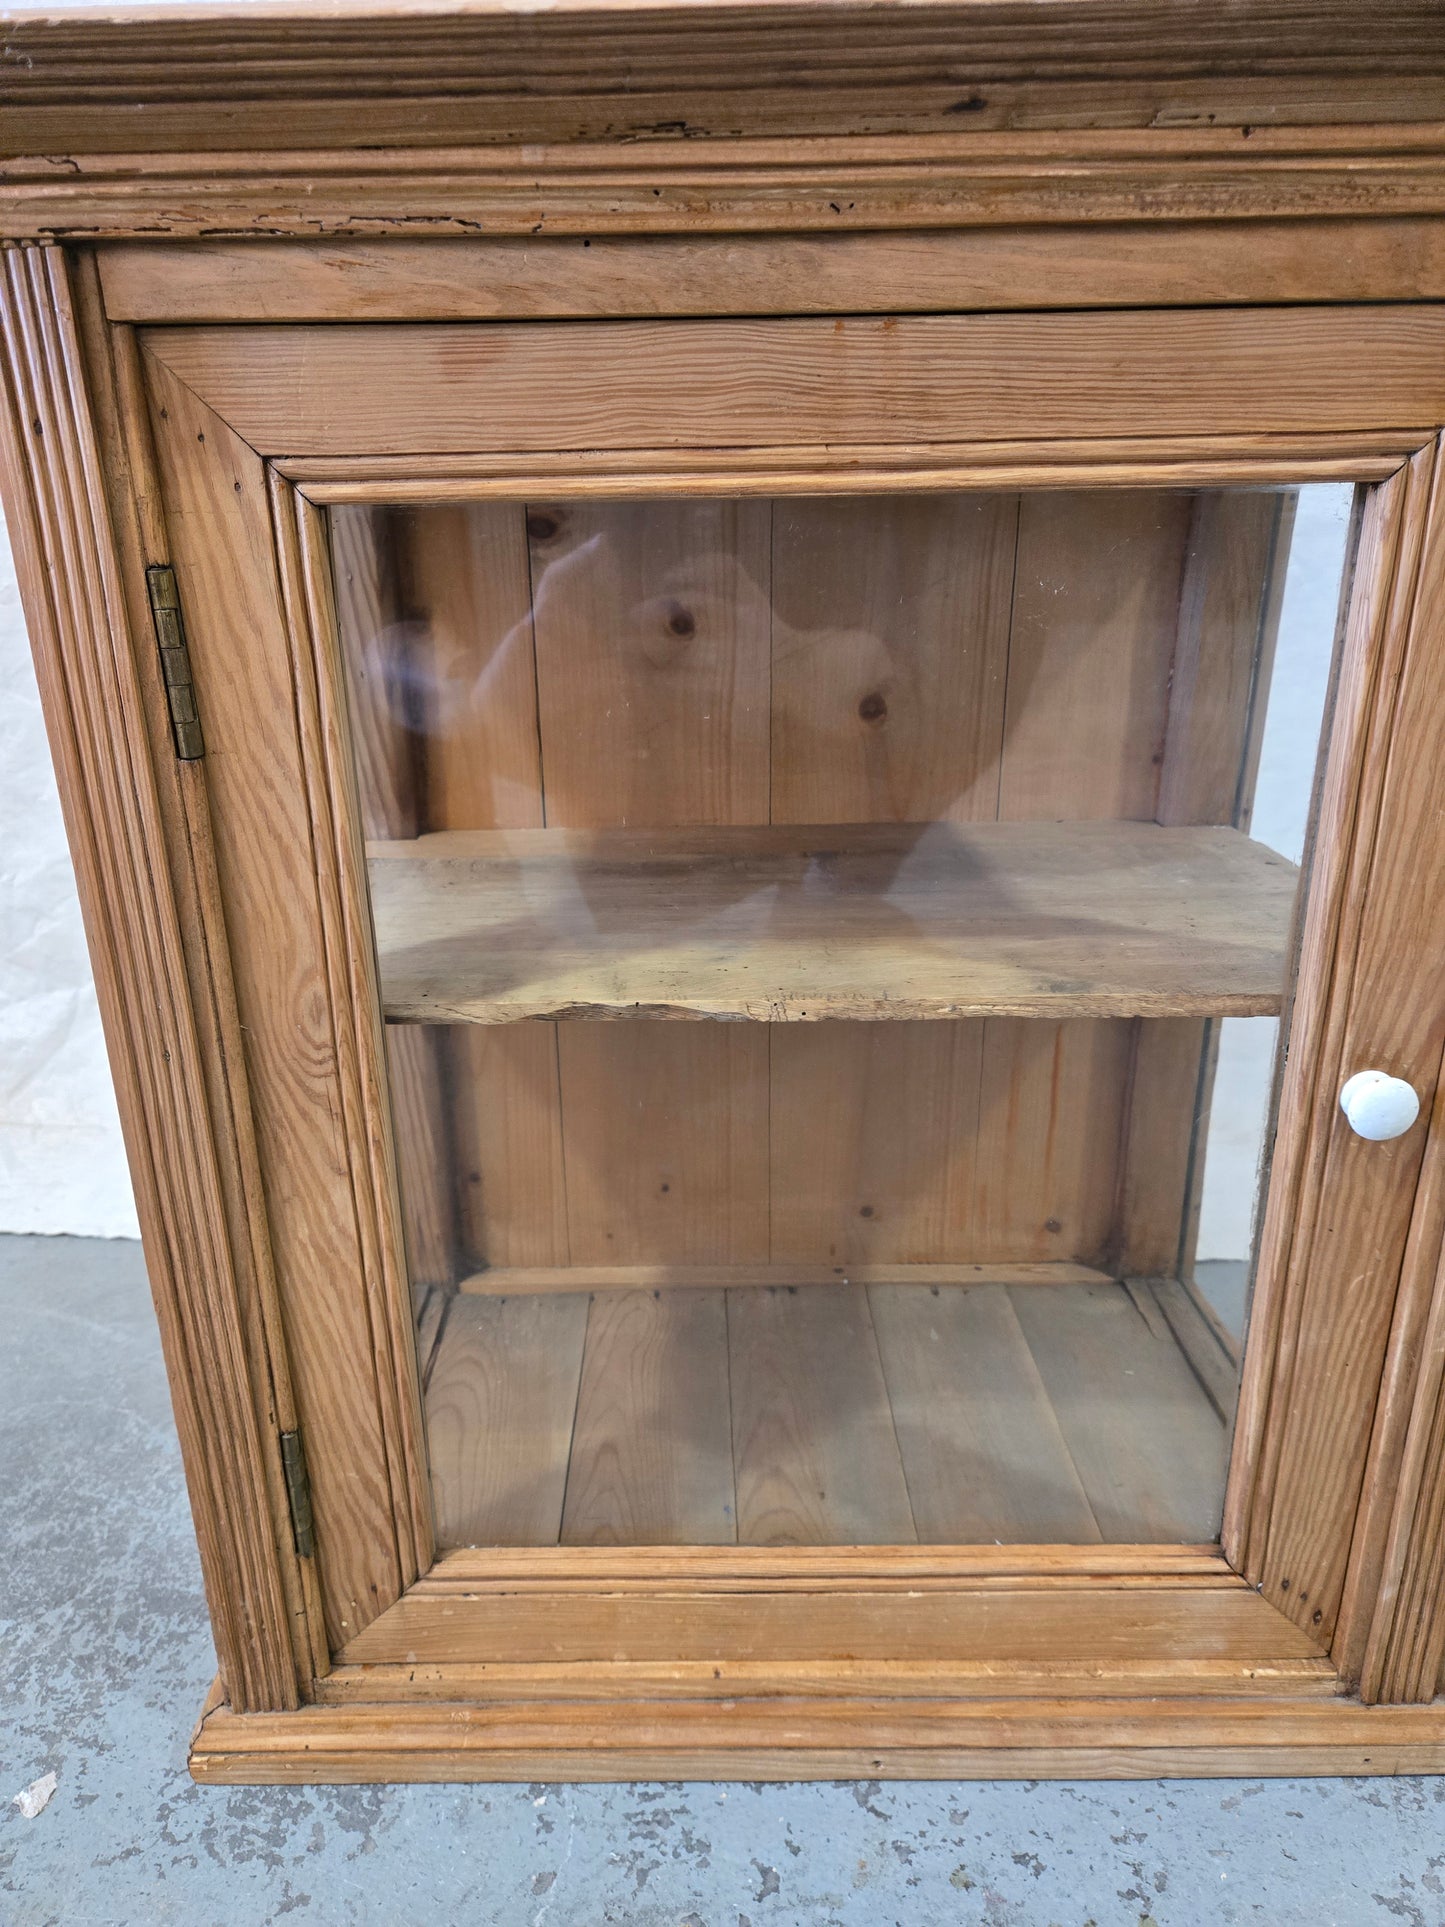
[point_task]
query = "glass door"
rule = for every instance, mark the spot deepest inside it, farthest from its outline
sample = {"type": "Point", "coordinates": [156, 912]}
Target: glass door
{"type": "Point", "coordinates": [833, 953]}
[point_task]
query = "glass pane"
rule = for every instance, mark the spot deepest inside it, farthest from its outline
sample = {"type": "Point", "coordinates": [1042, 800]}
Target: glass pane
{"type": "Point", "coordinates": [831, 952]}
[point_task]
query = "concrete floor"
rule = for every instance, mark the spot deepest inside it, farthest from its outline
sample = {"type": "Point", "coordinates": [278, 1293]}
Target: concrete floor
{"type": "Point", "coordinates": [104, 1657]}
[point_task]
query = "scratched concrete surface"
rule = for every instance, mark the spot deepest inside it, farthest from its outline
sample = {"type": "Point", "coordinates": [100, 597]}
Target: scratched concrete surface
{"type": "Point", "coordinates": [104, 1657]}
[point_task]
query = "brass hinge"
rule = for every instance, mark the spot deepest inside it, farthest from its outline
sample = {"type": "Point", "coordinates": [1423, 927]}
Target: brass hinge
{"type": "Point", "coordinates": [175, 662]}
{"type": "Point", "coordinates": [298, 1492]}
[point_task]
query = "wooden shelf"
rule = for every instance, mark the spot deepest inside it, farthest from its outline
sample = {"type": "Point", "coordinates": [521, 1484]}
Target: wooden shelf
{"type": "Point", "coordinates": [782, 924]}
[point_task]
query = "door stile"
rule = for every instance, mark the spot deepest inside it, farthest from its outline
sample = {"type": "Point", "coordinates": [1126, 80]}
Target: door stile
{"type": "Point", "coordinates": [303, 555]}
{"type": "Point", "coordinates": [1338, 1217]}
{"type": "Point", "coordinates": [223, 547]}
{"type": "Point", "coordinates": [1392, 1641]}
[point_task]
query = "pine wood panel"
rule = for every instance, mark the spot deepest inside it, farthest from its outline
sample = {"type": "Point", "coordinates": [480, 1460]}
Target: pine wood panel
{"type": "Point", "coordinates": [379, 663]}
{"type": "Point", "coordinates": [1230, 597]}
{"type": "Point", "coordinates": [665, 1133]}
{"type": "Point", "coordinates": [1161, 1158]}
{"type": "Point", "coordinates": [467, 389]}
{"type": "Point", "coordinates": [462, 644]}
{"type": "Point", "coordinates": [652, 1454]}
{"type": "Point", "coordinates": [652, 661]}
{"type": "Point", "coordinates": [1148, 1446]}
{"type": "Point", "coordinates": [366, 583]}
{"type": "Point", "coordinates": [1109, 265]}
{"type": "Point", "coordinates": [1232, 583]}
{"type": "Point", "coordinates": [797, 925]}
{"type": "Point", "coordinates": [1094, 620]}
{"type": "Point", "coordinates": [814, 1448]}
{"type": "Point", "coordinates": [500, 1398]}
{"type": "Point", "coordinates": [1049, 1132]}
{"type": "Point", "coordinates": [425, 1153]}
{"type": "Point", "coordinates": [873, 1142]}
{"type": "Point", "coordinates": [467, 606]}
{"type": "Point", "coordinates": [890, 638]}
{"type": "Point", "coordinates": [508, 1142]}
{"type": "Point", "coordinates": [652, 673]}
{"type": "Point", "coordinates": [982, 1450]}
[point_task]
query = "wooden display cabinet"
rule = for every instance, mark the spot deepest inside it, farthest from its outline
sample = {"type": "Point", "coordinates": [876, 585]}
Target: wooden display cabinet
{"type": "Point", "coordinates": [717, 671]}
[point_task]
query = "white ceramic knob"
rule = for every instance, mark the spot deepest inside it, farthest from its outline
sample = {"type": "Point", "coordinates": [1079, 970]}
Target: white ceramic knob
{"type": "Point", "coordinates": [1379, 1106]}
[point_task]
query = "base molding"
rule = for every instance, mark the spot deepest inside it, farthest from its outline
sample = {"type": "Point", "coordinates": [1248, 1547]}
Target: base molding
{"type": "Point", "coordinates": [782, 1740]}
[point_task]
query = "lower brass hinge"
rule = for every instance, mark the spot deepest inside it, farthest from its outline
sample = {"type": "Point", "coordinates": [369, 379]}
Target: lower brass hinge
{"type": "Point", "coordinates": [175, 662]}
{"type": "Point", "coordinates": [298, 1493]}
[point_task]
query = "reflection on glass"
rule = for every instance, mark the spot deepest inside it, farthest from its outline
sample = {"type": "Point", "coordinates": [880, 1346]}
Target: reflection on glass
{"type": "Point", "coordinates": [809, 934]}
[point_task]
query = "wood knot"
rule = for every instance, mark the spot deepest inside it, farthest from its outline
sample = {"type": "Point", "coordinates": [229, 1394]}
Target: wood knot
{"type": "Point", "coordinates": [874, 707]}
{"type": "Point", "coordinates": [680, 622]}
{"type": "Point", "coordinates": [542, 526]}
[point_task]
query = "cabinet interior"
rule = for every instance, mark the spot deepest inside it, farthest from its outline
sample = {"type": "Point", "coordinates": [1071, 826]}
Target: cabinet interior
{"type": "Point", "coordinates": [802, 931]}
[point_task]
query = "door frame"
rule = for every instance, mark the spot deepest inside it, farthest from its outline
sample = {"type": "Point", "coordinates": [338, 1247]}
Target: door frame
{"type": "Point", "coordinates": [160, 847]}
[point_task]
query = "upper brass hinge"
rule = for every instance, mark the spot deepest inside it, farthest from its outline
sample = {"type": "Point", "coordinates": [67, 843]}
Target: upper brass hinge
{"type": "Point", "coordinates": [175, 662]}
{"type": "Point", "coordinates": [298, 1492]}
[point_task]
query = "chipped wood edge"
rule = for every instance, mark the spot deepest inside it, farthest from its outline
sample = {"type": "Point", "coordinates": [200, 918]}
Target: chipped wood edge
{"type": "Point", "coordinates": [828, 183]}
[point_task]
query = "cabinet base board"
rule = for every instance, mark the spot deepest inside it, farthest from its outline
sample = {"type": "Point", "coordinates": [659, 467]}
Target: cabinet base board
{"type": "Point", "coordinates": [790, 1740]}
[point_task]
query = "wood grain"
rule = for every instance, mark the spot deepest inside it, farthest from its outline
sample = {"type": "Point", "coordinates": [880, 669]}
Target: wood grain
{"type": "Point", "coordinates": [467, 648]}
{"type": "Point", "coordinates": [816, 1458]}
{"type": "Point", "coordinates": [797, 925]}
{"type": "Point", "coordinates": [500, 1399]}
{"type": "Point", "coordinates": [981, 1447]}
{"type": "Point", "coordinates": [378, 1686]}
{"type": "Point", "coordinates": [223, 549]}
{"type": "Point", "coordinates": [1050, 1126]}
{"type": "Point", "coordinates": [429, 389]}
{"type": "Point", "coordinates": [1092, 639]}
{"type": "Point", "coordinates": [890, 633]}
{"type": "Point", "coordinates": [1229, 600]}
{"type": "Point", "coordinates": [583, 73]}
{"type": "Point", "coordinates": [999, 1738]}
{"type": "Point", "coordinates": [1375, 875]}
{"type": "Point", "coordinates": [864, 182]}
{"type": "Point", "coordinates": [95, 665]}
{"type": "Point", "coordinates": [652, 1449]}
{"type": "Point", "coordinates": [507, 1108]}
{"type": "Point", "coordinates": [510, 1279]}
{"type": "Point", "coordinates": [1010, 1627]}
{"type": "Point", "coordinates": [873, 1144]}
{"type": "Point", "coordinates": [1213, 1362]}
{"type": "Point", "coordinates": [652, 661]}
{"type": "Point", "coordinates": [1158, 264]}
{"type": "Point", "coordinates": [379, 667]}
{"type": "Point", "coordinates": [1148, 1445]}
{"type": "Point", "coordinates": [665, 1143]}
{"type": "Point", "coordinates": [848, 468]}
{"type": "Point", "coordinates": [349, 963]}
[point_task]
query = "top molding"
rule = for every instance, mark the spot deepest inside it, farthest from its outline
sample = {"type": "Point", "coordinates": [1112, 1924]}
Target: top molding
{"type": "Point", "coordinates": [681, 115]}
